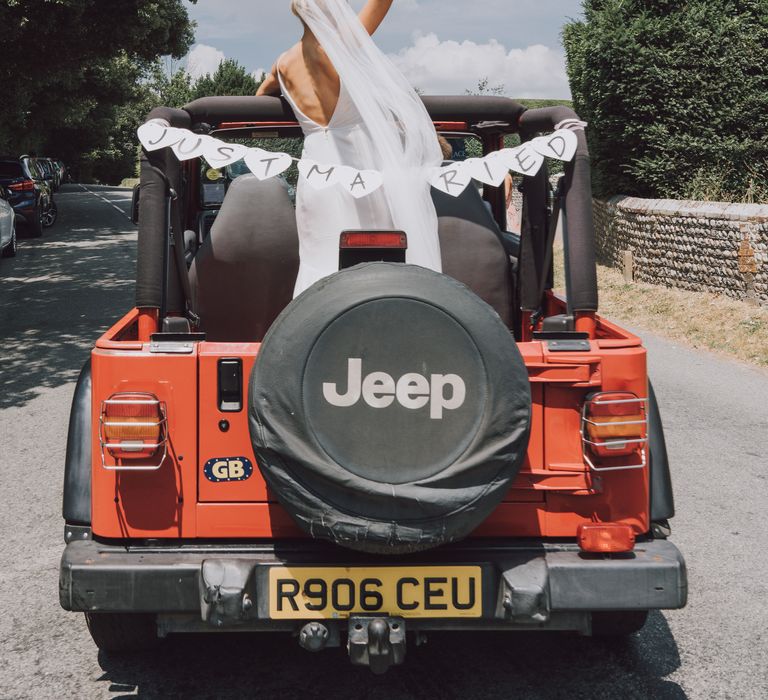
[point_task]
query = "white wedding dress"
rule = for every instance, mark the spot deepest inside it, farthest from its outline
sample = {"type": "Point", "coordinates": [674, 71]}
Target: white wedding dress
{"type": "Point", "coordinates": [380, 123]}
{"type": "Point", "coordinates": [321, 215]}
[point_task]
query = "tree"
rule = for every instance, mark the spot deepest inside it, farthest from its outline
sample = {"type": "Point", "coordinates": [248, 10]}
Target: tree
{"type": "Point", "coordinates": [170, 86]}
{"type": "Point", "coordinates": [74, 63]}
{"type": "Point", "coordinates": [672, 90]}
{"type": "Point", "coordinates": [230, 78]}
{"type": "Point", "coordinates": [484, 88]}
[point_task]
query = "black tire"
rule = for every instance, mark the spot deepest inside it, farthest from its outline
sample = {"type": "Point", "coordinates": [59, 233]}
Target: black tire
{"type": "Point", "coordinates": [10, 250]}
{"type": "Point", "coordinates": [36, 226]}
{"type": "Point", "coordinates": [50, 215]}
{"type": "Point", "coordinates": [424, 430]}
{"type": "Point", "coordinates": [618, 623]}
{"type": "Point", "coordinates": [123, 632]}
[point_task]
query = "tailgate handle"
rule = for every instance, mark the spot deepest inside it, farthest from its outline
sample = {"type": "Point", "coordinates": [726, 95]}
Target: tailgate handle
{"type": "Point", "coordinates": [230, 394]}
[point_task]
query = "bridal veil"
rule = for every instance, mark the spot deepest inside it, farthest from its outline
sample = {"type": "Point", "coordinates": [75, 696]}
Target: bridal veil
{"type": "Point", "coordinates": [402, 133]}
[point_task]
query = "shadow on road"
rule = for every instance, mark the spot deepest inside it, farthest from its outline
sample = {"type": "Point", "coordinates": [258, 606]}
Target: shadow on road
{"type": "Point", "coordinates": [60, 292]}
{"type": "Point", "coordinates": [466, 665]}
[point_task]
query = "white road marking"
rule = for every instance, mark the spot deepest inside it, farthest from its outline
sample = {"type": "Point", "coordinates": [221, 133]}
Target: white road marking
{"type": "Point", "coordinates": [111, 204]}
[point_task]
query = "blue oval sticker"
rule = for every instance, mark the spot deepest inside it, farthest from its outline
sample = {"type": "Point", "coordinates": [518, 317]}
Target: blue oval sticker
{"type": "Point", "coordinates": [228, 469]}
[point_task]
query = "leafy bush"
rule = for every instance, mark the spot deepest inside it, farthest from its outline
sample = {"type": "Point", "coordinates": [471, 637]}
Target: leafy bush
{"type": "Point", "coordinates": [675, 93]}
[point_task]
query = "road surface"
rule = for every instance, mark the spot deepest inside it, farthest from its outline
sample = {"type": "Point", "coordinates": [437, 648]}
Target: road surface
{"type": "Point", "coordinates": [63, 289]}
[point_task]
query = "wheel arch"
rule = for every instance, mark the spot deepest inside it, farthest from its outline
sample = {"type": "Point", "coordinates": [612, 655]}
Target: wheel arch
{"type": "Point", "coordinates": [662, 501]}
{"type": "Point", "coordinates": [76, 507]}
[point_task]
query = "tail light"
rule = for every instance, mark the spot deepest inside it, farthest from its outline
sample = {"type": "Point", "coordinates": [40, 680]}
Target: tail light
{"type": "Point", "coordinates": [356, 247]}
{"type": "Point", "coordinates": [605, 538]}
{"type": "Point", "coordinates": [23, 186]}
{"type": "Point", "coordinates": [133, 431]}
{"type": "Point", "coordinates": [373, 239]}
{"type": "Point", "coordinates": [614, 431]}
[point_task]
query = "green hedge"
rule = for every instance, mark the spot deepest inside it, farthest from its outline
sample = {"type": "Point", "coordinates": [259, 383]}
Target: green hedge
{"type": "Point", "coordinates": [676, 96]}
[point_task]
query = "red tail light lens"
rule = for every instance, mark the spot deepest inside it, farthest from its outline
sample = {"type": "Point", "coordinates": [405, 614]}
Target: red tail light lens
{"type": "Point", "coordinates": [605, 538]}
{"type": "Point", "coordinates": [374, 239]}
{"type": "Point", "coordinates": [23, 186]}
{"type": "Point", "coordinates": [133, 428]}
{"type": "Point", "coordinates": [614, 424]}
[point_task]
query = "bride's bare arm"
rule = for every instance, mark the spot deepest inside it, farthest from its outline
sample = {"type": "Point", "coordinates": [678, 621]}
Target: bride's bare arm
{"type": "Point", "coordinates": [373, 14]}
{"type": "Point", "coordinates": [270, 85]}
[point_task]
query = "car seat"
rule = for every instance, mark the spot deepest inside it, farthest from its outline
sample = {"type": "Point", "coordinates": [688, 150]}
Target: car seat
{"type": "Point", "coordinates": [245, 271]}
{"type": "Point", "coordinates": [473, 249]}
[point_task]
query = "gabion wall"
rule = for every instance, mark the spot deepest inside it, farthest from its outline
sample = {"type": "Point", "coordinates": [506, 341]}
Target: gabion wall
{"type": "Point", "coordinates": [701, 246]}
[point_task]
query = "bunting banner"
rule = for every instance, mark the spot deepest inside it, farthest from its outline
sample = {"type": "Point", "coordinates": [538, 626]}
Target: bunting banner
{"type": "Point", "coordinates": [452, 179]}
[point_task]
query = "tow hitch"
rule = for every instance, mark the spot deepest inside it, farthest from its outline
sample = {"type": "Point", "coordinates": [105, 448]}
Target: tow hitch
{"type": "Point", "coordinates": [376, 642]}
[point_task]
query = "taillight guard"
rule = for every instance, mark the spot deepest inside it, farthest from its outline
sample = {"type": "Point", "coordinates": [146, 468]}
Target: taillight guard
{"type": "Point", "coordinates": [133, 428]}
{"type": "Point", "coordinates": [614, 425]}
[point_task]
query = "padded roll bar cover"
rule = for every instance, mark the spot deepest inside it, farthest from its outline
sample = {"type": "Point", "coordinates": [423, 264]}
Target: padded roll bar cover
{"type": "Point", "coordinates": [152, 219]}
{"type": "Point", "coordinates": [216, 110]}
{"type": "Point", "coordinates": [533, 238]}
{"type": "Point", "coordinates": [77, 466]}
{"type": "Point", "coordinates": [578, 205]}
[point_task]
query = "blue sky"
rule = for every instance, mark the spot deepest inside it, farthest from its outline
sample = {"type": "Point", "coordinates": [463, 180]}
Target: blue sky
{"type": "Point", "coordinates": [443, 46]}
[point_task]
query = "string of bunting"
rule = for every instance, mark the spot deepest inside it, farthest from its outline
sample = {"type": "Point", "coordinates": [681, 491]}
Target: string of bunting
{"type": "Point", "coordinates": [452, 179]}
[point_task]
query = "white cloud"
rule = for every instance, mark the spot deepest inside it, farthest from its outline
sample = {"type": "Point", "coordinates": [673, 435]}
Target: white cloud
{"type": "Point", "coordinates": [451, 67]}
{"type": "Point", "coordinates": [203, 59]}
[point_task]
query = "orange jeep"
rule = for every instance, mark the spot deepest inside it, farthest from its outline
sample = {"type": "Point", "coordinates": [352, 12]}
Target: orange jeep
{"type": "Point", "coordinates": [395, 451]}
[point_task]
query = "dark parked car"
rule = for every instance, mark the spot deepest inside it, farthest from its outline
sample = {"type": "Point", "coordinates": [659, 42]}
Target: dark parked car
{"type": "Point", "coordinates": [29, 194]}
{"type": "Point", "coordinates": [42, 173]}
{"type": "Point", "coordinates": [7, 226]}
{"type": "Point", "coordinates": [50, 172]}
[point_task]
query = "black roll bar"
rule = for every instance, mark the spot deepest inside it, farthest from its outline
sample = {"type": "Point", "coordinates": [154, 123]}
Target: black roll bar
{"type": "Point", "coordinates": [581, 270]}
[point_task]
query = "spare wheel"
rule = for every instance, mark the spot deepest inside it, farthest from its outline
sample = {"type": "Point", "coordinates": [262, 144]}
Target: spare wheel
{"type": "Point", "coordinates": [389, 409]}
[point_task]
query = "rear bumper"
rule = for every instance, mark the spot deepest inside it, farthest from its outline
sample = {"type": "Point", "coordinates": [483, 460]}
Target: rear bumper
{"type": "Point", "coordinates": [524, 584]}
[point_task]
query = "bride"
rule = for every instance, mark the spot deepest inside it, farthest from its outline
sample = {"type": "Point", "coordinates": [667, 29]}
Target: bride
{"type": "Point", "coordinates": [356, 109]}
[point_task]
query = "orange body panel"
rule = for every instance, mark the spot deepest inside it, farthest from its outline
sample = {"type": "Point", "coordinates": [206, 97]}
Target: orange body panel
{"type": "Point", "coordinates": [554, 493]}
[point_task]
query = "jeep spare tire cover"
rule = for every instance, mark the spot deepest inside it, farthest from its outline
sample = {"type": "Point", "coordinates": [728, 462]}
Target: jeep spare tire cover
{"type": "Point", "coordinates": [389, 409]}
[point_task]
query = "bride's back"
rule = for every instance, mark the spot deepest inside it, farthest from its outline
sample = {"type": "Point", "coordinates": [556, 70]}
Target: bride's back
{"type": "Point", "coordinates": [311, 79]}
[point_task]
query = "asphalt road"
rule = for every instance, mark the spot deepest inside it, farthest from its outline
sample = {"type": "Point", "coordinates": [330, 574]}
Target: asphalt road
{"type": "Point", "coordinates": [63, 289]}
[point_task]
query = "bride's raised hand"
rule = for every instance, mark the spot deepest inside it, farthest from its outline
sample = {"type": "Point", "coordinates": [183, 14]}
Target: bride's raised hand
{"type": "Point", "coordinates": [373, 14]}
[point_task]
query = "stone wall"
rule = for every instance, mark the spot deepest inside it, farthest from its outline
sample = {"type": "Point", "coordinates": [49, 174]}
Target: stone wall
{"type": "Point", "coordinates": [701, 246]}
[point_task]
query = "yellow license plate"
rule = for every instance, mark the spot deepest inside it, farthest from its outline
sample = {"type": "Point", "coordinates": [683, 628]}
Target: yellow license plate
{"type": "Point", "coordinates": [300, 592]}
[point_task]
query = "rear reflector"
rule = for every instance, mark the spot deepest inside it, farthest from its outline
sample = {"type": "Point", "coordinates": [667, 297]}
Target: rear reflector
{"type": "Point", "coordinates": [373, 239]}
{"type": "Point", "coordinates": [605, 538]}
{"type": "Point", "coordinates": [133, 429]}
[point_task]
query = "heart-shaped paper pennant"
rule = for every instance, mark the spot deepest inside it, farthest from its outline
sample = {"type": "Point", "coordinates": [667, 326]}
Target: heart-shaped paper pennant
{"type": "Point", "coordinates": [490, 170]}
{"type": "Point", "coordinates": [452, 179]}
{"type": "Point", "coordinates": [157, 134]}
{"type": "Point", "coordinates": [318, 175]}
{"type": "Point", "coordinates": [360, 183]}
{"type": "Point", "coordinates": [191, 146]}
{"type": "Point", "coordinates": [523, 159]}
{"type": "Point", "coordinates": [561, 145]}
{"type": "Point", "coordinates": [219, 154]}
{"type": "Point", "coordinates": [265, 164]}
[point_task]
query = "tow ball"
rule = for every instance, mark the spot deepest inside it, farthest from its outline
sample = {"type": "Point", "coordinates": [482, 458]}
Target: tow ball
{"type": "Point", "coordinates": [376, 642]}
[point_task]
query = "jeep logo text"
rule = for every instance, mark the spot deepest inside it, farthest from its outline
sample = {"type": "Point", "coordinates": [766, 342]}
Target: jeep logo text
{"type": "Point", "coordinates": [413, 391]}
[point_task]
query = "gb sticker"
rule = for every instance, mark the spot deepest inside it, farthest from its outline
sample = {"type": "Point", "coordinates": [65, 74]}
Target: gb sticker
{"type": "Point", "coordinates": [228, 469]}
